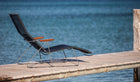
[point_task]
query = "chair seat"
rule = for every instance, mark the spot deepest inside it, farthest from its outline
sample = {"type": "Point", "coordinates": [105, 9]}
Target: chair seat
{"type": "Point", "coordinates": [58, 48]}
{"type": "Point", "coordinates": [62, 47]}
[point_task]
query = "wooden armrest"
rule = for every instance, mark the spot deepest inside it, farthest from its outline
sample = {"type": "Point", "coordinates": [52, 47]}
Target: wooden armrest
{"type": "Point", "coordinates": [45, 40]}
{"type": "Point", "coordinates": [35, 38]}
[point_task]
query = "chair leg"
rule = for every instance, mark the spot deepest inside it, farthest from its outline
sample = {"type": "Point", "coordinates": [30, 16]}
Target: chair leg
{"type": "Point", "coordinates": [51, 61]}
{"type": "Point", "coordinates": [23, 54]}
{"type": "Point", "coordinates": [65, 56]}
{"type": "Point", "coordinates": [40, 57]}
{"type": "Point", "coordinates": [35, 54]}
{"type": "Point", "coordinates": [75, 57]}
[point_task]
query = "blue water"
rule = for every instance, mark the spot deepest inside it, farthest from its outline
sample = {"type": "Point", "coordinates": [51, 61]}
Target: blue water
{"type": "Point", "coordinates": [101, 27]}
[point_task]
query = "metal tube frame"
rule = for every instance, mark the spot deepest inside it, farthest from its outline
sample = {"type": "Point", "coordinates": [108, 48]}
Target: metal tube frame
{"type": "Point", "coordinates": [51, 61]}
{"type": "Point", "coordinates": [40, 57]}
{"type": "Point", "coordinates": [36, 54]}
{"type": "Point", "coordinates": [65, 56]}
{"type": "Point", "coordinates": [75, 57]}
{"type": "Point", "coordinates": [49, 53]}
{"type": "Point", "coordinates": [23, 54]}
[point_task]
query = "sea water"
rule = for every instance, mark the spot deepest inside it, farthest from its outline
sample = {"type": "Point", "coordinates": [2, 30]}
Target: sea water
{"type": "Point", "coordinates": [99, 26]}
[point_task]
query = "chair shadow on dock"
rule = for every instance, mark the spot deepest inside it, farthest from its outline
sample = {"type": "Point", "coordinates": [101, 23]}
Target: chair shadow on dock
{"type": "Point", "coordinates": [54, 63]}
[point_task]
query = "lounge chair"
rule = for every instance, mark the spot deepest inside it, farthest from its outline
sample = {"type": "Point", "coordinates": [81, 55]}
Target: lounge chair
{"type": "Point", "coordinates": [34, 41]}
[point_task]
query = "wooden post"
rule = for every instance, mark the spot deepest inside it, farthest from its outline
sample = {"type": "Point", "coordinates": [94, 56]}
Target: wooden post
{"type": "Point", "coordinates": [136, 44]}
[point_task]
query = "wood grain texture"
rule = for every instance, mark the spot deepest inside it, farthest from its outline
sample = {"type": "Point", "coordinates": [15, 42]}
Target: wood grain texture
{"type": "Point", "coordinates": [136, 29]}
{"type": "Point", "coordinates": [87, 65]}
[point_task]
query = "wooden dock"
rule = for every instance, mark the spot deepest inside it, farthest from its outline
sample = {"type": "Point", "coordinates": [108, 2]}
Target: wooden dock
{"type": "Point", "coordinates": [87, 65]}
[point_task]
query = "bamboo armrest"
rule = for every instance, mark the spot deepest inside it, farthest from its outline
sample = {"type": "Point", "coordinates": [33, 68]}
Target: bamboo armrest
{"type": "Point", "coordinates": [45, 40]}
{"type": "Point", "coordinates": [35, 38]}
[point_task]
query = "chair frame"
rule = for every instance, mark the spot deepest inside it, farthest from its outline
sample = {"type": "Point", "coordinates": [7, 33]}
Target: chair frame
{"type": "Point", "coordinates": [49, 53]}
{"type": "Point", "coordinates": [40, 49]}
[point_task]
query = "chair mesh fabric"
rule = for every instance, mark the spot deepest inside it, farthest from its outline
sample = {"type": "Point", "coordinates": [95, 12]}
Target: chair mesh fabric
{"type": "Point", "coordinates": [23, 32]}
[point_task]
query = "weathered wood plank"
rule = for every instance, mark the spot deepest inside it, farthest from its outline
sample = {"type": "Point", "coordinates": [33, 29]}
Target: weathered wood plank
{"type": "Point", "coordinates": [87, 65]}
{"type": "Point", "coordinates": [136, 44]}
{"type": "Point", "coordinates": [136, 29]}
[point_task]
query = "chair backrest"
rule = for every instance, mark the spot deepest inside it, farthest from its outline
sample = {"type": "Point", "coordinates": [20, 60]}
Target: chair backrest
{"type": "Point", "coordinates": [23, 32]}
